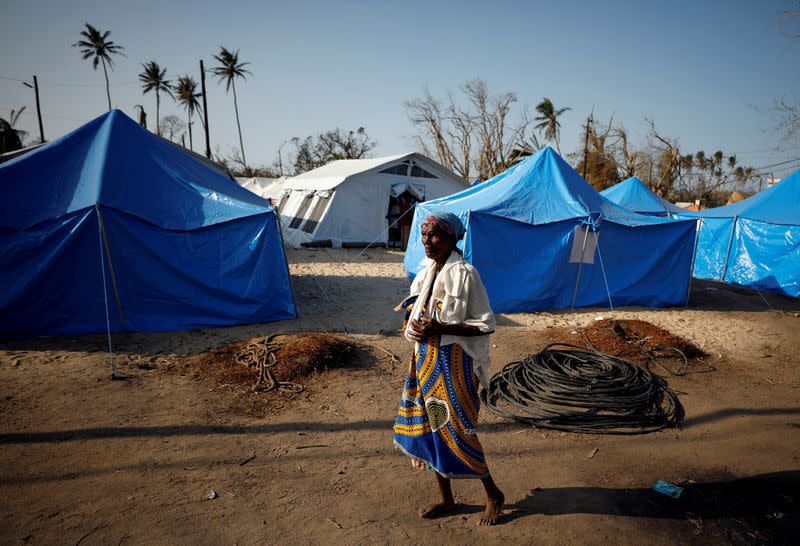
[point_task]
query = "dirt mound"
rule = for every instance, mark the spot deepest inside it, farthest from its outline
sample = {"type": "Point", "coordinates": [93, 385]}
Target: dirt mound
{"type": "Point", "coordinates": [636, 340]}
{"type": "Point", "coordinates": [287, 356]}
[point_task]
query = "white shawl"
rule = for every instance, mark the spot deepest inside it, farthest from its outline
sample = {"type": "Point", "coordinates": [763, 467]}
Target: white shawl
{"type": "Point", "coordinates": [464, 300]}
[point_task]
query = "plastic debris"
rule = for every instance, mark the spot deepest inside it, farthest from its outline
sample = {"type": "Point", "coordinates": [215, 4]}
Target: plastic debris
{"type": "Point", "coordinates": [212, 495]}
{"type": "Point", "coordinates": [668, 489]}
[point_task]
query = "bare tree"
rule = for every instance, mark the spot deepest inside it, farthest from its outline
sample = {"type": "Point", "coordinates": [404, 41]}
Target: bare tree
{"type": "Point", "coordinates": [601, 163]}
{"type": "Point", "coordinates": [790, 18]}
{"type": "Point", "coordinates": [312, 152]}
{"type": "Point", "coordinates": [631, 160]}
{"type": "Point", "coordinates": [788, 122]}
{"type": "Point", "coordinates": [474, 135]}
{"type": "Point", "coordinates": [171, 127]}
{"type": "Point", "coordinates": [666, 161]}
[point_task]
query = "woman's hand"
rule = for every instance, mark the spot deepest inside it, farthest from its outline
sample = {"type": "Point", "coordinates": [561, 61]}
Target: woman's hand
{"type": "Point", "coordinates": [422, 329]}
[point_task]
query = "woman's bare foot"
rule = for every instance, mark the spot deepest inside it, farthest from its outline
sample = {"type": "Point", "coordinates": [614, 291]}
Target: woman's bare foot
{"type": "Point", "coordinates": [494, 509]}
{"type": "Point", "coordinates": [436, 509]}
{"type": "Point", "coordinates": [443, 507]}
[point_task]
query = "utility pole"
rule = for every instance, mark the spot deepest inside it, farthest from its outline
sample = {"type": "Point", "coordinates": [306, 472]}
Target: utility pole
{"type": "Point", "coordinates": [589, 120]}
{"type": "Point", "coordinates": [38, 108]}
{"type": "Point", "coordinates": [35, 87]}
{"type": "Point", "coordinates": [205, 107]}
{"type": "Point", "coordinates": [280, 158]}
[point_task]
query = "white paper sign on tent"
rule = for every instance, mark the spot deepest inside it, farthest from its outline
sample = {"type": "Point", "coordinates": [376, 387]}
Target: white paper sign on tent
{"type": "Point", "coordinates": [581, 253]}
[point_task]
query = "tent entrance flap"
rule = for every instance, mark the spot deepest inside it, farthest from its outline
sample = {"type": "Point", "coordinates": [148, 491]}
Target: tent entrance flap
{"type": "Point", "coordinates": [417, 190]}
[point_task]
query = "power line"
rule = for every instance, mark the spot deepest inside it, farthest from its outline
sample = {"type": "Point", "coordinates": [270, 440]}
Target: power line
{"type": "Point", "coordinates": [59, 84]}
{"type": "Point", "coordinates": [65, 84]}
{"type": "Point", "coordinates": [786, 169]}
{"type": "Point", "coordinates": [778, 164]}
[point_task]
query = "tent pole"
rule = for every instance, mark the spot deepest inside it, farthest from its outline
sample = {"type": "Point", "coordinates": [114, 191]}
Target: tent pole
{"type": "Point", "coordinates": [580, 266]}
{"type": "Point", "coordinates": [285, 259]}
{"type": "Point", "coordinates": [110, 266]}
{"type": "Point", "coordinates": [603, 269]}
{"type": "Point", "coordinates": [105, 300]}
{"type": "Point", "coordinates": [466, 230]}
{"type": "Point", "coordinates": [694, 257]}
{"type": "Point", "coordinates": [728, 252]}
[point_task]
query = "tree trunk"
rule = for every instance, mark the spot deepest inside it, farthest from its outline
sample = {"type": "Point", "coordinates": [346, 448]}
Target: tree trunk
{"type": "Point", "coordinates": [555, 135]}
{"type": "Point", "coordinates": [158, 106]}
{"type": "Point", "coordinates": [189, 115]}
{"type": "Point", "coordinates": [236, 107]}
{"type": "Point", "coordinates": [108, 89]}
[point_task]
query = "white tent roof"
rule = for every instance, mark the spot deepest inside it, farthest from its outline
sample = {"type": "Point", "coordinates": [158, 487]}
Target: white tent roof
{"type": "Point", "coordinates": [348, 200]}
{"type": "Point", "coordinates": [334, 173]}
{"type": "Point", "coordinates": [268, 188]}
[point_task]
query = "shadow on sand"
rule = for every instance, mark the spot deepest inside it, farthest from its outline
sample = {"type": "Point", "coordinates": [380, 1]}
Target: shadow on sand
{"type": "Point", "coordinates": [767, 504]}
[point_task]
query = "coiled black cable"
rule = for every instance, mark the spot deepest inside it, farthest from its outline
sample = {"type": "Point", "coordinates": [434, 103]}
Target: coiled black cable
{"type": "Point", "coordinates": [570, 388]}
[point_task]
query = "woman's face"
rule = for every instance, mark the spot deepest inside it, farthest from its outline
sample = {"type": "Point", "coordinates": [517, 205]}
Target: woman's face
{"type": "Point", "coordinates": [438, 245]}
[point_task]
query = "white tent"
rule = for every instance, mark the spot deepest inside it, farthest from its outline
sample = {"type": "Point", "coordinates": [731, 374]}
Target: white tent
{"type": "Point", "coordinates": [266, 188]}
{"type": "Point", "coordinates": [347, 201]}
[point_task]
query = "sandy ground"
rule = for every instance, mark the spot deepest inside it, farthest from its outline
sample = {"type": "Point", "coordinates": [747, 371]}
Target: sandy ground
{"type": "Point", "coordinates": [90, 461]}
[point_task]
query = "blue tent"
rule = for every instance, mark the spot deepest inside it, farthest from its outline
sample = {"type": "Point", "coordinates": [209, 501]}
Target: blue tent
{"type": "Point", "coordinates": [634, 195]}
{"type": "Point", "coordinates": [530, 233]}
{"type": "Point", "coordinates": [755, 242]}
{"type": "Point", "coordinates": [176, 244]}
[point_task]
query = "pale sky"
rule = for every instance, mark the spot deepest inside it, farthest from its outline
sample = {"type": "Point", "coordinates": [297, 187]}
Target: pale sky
{"type": "Point", "coordinates": [706, 72]}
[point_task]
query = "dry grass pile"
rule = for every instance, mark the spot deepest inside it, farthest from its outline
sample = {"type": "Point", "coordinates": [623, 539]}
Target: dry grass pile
{"type": "Point", "coordinates": [636, 340]}
{"type": "Point", "coordinates": [306, 353]}
{"type": "Point", "coordinates": [295, 356]}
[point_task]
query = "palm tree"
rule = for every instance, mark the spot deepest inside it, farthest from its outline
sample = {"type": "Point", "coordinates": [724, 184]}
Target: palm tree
{"type": "Point", "coordinates": [688, 163]}
{"type": "Point", "coordinates": [97, 46]}
{"type": "Point", "coordinates": [228, 70]}
{"type": "Point", "coordinates": [154, 78]}
{"type": "Point", "coordinates": [548, 120]}
{"type": "Point", "coordinates": [718, 156]}
{"type": "Point", "coordinates": [10, 137]}
{"type": "Point", "coordinates": [187, 95]}
{"type": "Point", "coordinates": [700, 161]}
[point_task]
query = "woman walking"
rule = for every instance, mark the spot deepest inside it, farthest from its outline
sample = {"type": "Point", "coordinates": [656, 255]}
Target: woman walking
{"type": "Point", "coordinates": [449, 320]}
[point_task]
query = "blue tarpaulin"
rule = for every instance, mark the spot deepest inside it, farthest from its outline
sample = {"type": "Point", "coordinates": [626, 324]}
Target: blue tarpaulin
{"type": "Point", "coordinates": [634, 195]}
{"type": "Point", "coordinates": [182, 245]}
{"type": "Point", "coordinates": [755, 242]}
{"type": "Point", "coordinates": [526, 226]}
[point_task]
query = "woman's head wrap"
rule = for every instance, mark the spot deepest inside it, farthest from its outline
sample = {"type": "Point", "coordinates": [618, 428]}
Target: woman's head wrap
{"type": "Point", "coordinates": [447, 222]}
